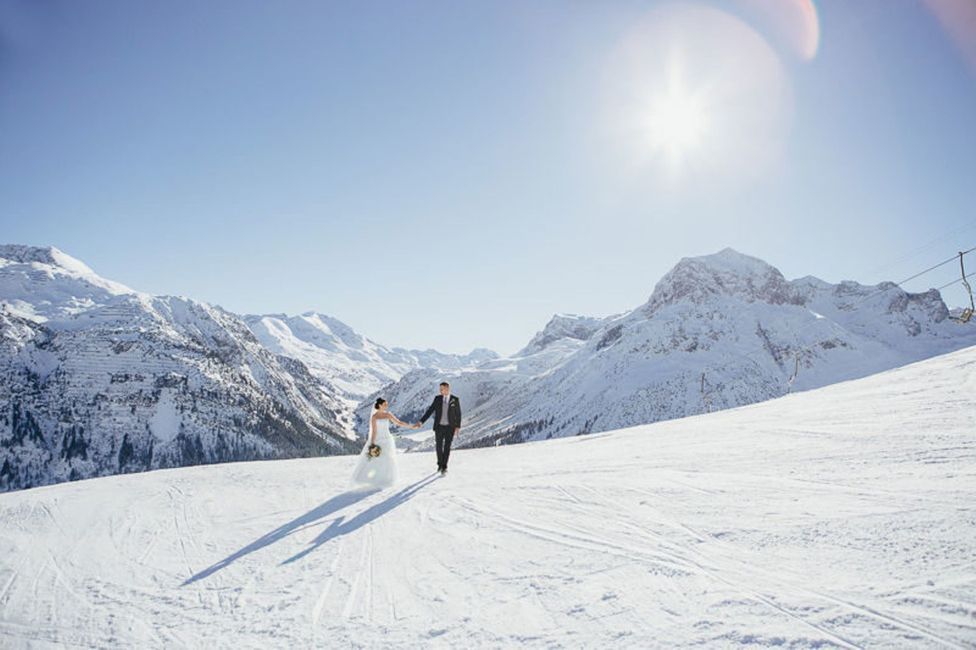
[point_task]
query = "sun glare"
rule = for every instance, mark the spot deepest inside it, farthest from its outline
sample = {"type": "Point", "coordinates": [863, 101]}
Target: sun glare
{"type": "Point", "coordinates": [677, 124]}
{"type": "Point", "coordinates": [696, 95]}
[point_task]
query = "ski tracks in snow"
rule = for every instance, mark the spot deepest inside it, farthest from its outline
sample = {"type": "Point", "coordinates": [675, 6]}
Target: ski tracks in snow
{"type": "Point", "coordinates": [724, 563]}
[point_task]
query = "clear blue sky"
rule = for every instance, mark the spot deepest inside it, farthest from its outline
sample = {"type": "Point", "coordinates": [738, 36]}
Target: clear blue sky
{"type": "Point", "coordinates": [449, 174]}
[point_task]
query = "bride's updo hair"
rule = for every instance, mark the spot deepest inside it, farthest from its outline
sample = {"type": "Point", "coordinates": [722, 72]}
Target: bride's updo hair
{"type": "Point", "coordinates": [379, 400]}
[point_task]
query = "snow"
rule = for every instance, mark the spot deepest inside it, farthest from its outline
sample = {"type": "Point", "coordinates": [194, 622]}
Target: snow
{"type": "Point", "coordinates": [837, 517]}
{"type": "Point", "coordinates": [730, 317]}
{"type": "Point", "coordinates": [41, 363]}
{"type": "Point", "coordinates": [165, 421]}
{"type": "Point", "coordinates": [80, 381]}
{"type": "Point", "coordinates": [728, 260]}
{"type": "Point", "coordinates": [336, 353]}
{"type": "Point", "coordinates": [47, 283]}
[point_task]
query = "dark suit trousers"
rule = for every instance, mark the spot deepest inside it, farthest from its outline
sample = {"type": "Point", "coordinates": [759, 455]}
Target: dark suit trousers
{"type": "Point", "coordinates": [443, 436]}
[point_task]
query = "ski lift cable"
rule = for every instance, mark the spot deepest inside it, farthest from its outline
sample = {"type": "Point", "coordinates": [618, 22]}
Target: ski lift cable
{"type": "Point", "coordinates": [858, 302]}
{"type": "Point", "coordinates": [938, 240]}
{"type": "Point", "coordinates": [956, 281]}
{"type": "Point", "coordinates": [967, 313]}
{"type": "Point", "coordinates": [899, 283]}
{"type": "Point", "coordinates": [932, 268]}
{"type": "Point", "coordinates": [909, 279]}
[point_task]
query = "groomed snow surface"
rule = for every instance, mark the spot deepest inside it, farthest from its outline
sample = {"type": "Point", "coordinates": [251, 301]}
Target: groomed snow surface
{"type": "Point", "coordinates": [838, 517]}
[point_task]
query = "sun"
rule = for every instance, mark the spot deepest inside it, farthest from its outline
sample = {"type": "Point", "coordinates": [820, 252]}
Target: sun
{"type": "Point", "coordinates": [695, 96]}
{"type": "Point", "coordinates": [677, 122]}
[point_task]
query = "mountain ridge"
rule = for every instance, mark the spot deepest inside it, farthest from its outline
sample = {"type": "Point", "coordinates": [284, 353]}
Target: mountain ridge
{"type": "Point", "coordinates": [718, 331]}
{"type": "Point", "coordinates": [337, 353]}
{"type": "Point", "coordinates": [98, 379]}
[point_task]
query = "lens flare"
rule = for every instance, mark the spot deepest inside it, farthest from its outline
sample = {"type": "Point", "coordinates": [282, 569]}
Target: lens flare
{"type": "Point", "coordinates": [958, 19]}
{"type": "Point", "coordinates": [695, 94]}
{"type": "Point", "coordinates": [793, 23]}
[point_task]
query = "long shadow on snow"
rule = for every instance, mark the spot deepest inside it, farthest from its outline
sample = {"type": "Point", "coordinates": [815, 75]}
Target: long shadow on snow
{"type": "Point", "coordinates": [338, 527]}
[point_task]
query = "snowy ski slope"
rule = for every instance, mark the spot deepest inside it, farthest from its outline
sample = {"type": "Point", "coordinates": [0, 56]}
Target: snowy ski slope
{"type": "Point", "coordinates": [838, 517]}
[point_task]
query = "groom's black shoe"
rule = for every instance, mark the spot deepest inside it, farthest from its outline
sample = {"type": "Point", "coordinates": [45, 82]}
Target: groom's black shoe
{"type": "Point", "coordinates": [443, 471]}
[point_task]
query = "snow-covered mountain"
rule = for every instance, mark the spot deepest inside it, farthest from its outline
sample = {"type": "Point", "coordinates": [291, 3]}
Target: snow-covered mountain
{"type": "Point", "coordinates": [98, 379]}
{"type": "Point", "coordinates": [46, 283]}
{"type": "Point", "coordinates": [718, 331]}
{"type": "Point", "coordinates": [841, 517]}
{"type": "Point", "coordinates": [348, 360]}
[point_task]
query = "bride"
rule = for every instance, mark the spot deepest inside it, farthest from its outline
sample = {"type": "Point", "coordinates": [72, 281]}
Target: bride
{"type": "Point", "coordinates": [379, 471]}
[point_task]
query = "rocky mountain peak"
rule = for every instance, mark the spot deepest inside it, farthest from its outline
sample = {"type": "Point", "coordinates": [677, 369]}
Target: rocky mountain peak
{"type": "Point", "coordinates": [562, 326]}
{"type": "Point", "coordinates": [44, 282]}
{"type": "Point", "coordinates": [34, 254]}
{"type": "Point", "coordinates": [725, 273]}
{"type": "Point", "coordinates": [46, 255]}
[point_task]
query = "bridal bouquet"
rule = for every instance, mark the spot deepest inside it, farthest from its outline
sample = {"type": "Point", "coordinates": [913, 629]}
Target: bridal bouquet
{"type": "Point", "coordinates": [374, 450]}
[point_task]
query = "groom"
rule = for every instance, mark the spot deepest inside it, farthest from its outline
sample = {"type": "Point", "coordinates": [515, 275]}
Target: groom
{"type": "Point", "coordinates": [447, 421]}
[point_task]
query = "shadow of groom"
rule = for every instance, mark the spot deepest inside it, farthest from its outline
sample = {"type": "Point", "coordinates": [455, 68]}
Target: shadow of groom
{"type": "Point", "coordinates": [338, 527]}
{"type": "Point", "coordinates": [322, 511]}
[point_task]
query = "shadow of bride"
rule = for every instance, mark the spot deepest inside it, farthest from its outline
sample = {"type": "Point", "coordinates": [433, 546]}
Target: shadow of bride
{"type": "Point", "coordinates": [338, 527]}
{"type": "Point", "coordinates": [333, 505]}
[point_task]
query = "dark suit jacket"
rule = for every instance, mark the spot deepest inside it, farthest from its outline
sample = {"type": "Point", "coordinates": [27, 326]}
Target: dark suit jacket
{"type": "Point", "coordinates": [453, 411]}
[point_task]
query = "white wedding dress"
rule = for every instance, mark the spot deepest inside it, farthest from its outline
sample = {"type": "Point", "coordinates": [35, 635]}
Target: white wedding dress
{"type": "Point", "coordinates": [381, 471]}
